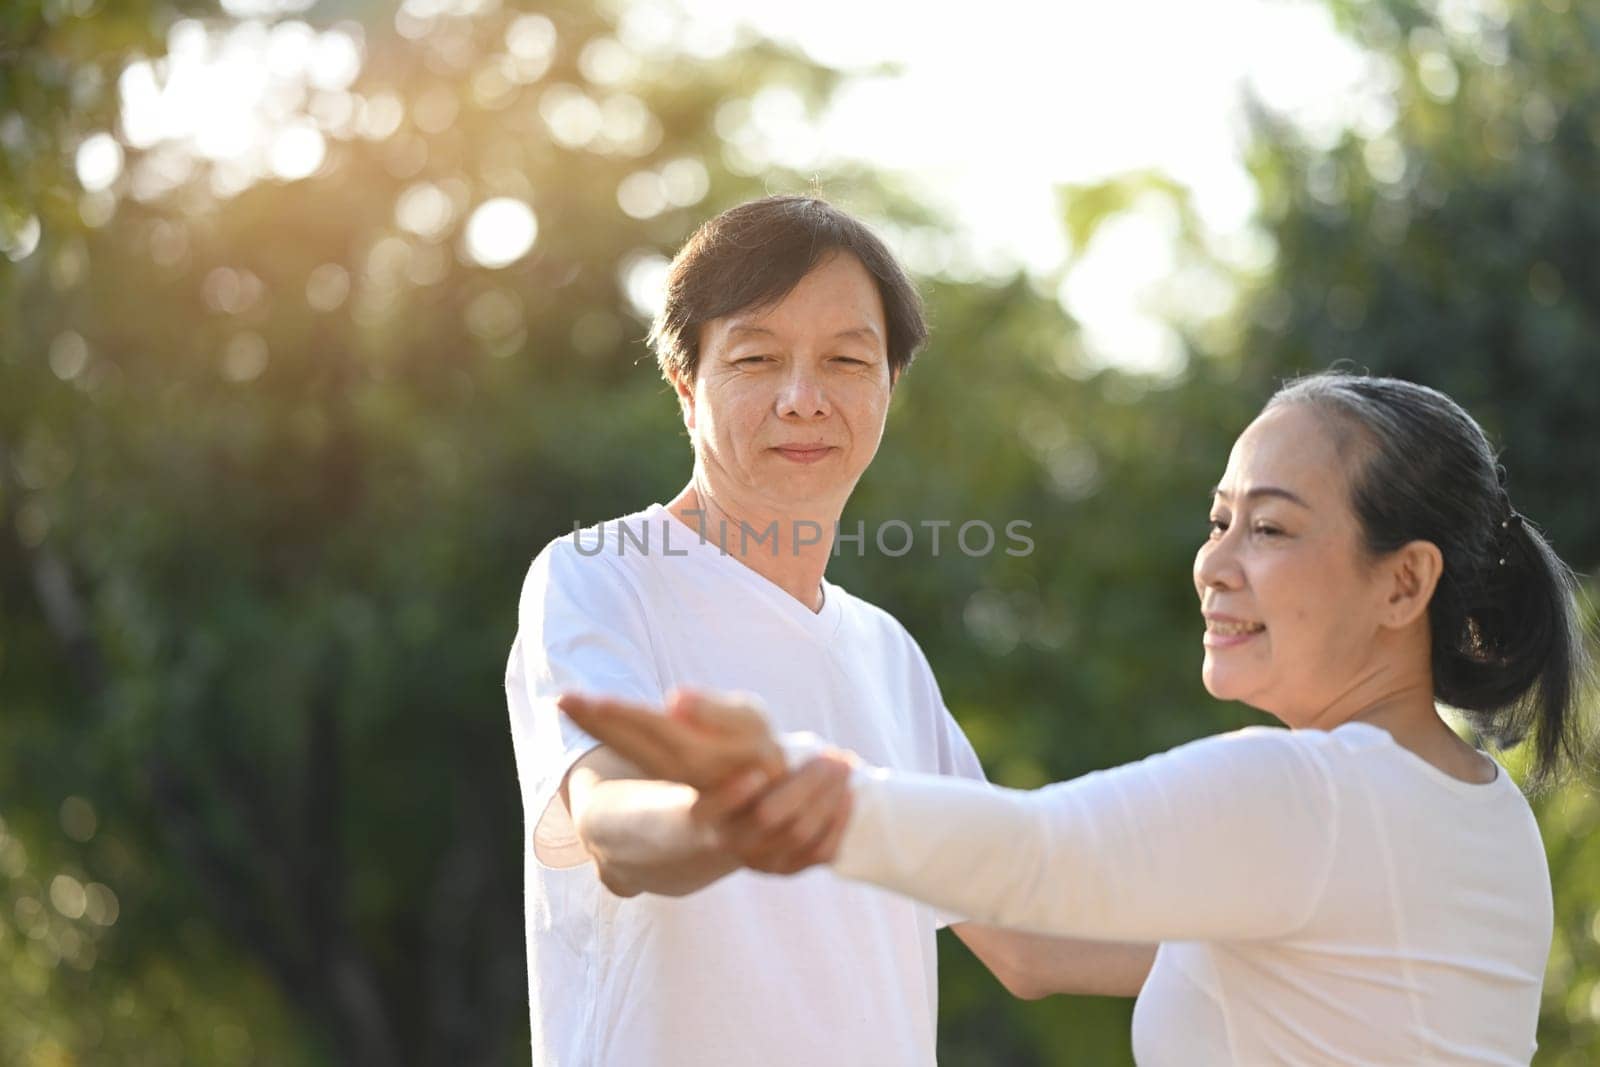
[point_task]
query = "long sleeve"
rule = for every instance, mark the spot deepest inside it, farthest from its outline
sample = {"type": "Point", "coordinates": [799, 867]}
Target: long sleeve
{"type": "Point", "coordinates": [1229, 837]}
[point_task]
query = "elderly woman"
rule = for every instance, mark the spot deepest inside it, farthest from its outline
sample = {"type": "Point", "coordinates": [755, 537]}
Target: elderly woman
{"type": "Point", "coordinates": [1364, 887]}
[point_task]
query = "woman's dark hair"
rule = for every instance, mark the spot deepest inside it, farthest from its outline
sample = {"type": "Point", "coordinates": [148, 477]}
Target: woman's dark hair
{"type": "Point", "coordinates": [1508, 646]}
{"type": "Point", "coordinates": [752, 255]}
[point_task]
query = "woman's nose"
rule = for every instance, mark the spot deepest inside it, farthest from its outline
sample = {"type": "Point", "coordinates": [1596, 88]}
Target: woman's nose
{"type": "Point", "coordinates": [1216, 566]}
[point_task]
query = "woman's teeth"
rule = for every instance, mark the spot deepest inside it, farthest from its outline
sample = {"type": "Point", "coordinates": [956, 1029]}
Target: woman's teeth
{"type": "Point", "coordinates": [1233, 629]}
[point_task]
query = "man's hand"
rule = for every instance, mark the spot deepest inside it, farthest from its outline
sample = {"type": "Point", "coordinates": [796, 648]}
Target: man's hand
{"type": "Point", "coordinates": [702, 741]}
{"type": "Point", "coordinates": [760, 814]}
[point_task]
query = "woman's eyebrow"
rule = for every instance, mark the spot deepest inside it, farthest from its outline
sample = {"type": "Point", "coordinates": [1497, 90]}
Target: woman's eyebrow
{"type": "Point", "coordinates": [1260, 491]}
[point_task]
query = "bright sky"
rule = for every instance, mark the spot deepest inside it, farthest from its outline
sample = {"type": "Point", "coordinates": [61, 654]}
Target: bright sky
{"type": "Point", "coordinates": [986, 111]}
{"type": "Point", "coordinates": [995, 111]}
{"type": "Point", "coordinates": [993, 106]}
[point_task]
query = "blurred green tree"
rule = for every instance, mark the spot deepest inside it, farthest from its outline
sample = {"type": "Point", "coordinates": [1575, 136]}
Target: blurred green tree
{"type": "Point", "coordinates": [276, 446]}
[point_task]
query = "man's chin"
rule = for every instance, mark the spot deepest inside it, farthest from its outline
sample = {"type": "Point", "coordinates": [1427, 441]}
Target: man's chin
{"type": "Point", "coordinates": [825, 478]}
{"type": "Point", "coordinates": [799, 494]}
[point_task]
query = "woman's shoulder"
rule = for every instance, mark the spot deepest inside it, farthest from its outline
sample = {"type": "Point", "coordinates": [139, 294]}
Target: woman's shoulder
{"type": "Point", "coordinates": [1257, 758]}
{"type": "Point", "coordinates": [1349, 737]}
{"type": "Point", "coordinates": [1268, 739]}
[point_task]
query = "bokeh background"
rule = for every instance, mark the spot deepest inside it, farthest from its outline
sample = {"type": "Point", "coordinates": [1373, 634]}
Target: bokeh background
{"type": "Point", "coordinates": [317, 320]}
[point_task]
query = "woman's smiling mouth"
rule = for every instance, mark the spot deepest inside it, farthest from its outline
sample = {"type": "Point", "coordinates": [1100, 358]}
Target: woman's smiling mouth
{"type": "Point", "coordinates": [1223, 631]}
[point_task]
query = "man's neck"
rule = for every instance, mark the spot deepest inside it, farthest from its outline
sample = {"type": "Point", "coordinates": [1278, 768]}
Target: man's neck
{"type": "Point", "coordinates": [789, 549]}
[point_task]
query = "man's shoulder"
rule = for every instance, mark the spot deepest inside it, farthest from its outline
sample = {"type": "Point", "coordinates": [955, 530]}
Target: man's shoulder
{"type": "Point", "coordinates": [603, 553]}
{"type": "Point", "coordinates": [608, 535]}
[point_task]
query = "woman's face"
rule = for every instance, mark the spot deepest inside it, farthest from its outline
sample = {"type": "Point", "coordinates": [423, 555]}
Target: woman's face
{"type": "Point", "coordinates": [1292, 604]}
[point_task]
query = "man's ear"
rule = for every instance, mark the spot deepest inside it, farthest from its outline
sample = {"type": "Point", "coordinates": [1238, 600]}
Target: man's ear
{"type": "Point", "coordinates": [1413, 574]}
{"type": "Point", "coordinates": [684, 387]}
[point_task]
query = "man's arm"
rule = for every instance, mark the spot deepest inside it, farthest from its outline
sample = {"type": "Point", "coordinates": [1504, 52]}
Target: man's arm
{"type": "Point", "coordinates": [1032, 966]}
{"type": "Point", "coordinates": [638, 830]}
{"type": "Point", "coordinates": [649, 835]}
{"type": "Point", "coordinates": [582, 626]}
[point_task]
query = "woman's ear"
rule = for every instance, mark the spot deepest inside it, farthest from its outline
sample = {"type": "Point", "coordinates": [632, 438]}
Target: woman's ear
{"type": "Point", "coordinates": [1414, 571]}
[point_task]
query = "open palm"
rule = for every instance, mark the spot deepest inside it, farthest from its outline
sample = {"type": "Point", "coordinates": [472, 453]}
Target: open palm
{"type": "Point", "coordinates": [702, 739]}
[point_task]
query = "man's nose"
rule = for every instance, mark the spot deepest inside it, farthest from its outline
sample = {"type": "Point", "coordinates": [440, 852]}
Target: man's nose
{"type": "Point", "coordinates": [802, 395]}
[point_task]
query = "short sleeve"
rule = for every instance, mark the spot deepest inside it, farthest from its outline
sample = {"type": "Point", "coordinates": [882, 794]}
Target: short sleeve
{"type": "Point", "coordinates": [956, 755]}
{"type": "Point", "coordinates": [953, 753]}
{"type": "Point", "coordinates": [580, 626]}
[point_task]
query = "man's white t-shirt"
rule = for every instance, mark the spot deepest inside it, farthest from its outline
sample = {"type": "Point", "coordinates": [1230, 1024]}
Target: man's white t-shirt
{"type": "Point", "coordinates": [1320, 897]}
{"type": "Point", "coordinates": [755, 969]}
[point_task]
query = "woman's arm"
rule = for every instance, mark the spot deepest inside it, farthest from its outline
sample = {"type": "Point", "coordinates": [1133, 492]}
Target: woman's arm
{"type": "Point", "coordinates": [1229, 837]}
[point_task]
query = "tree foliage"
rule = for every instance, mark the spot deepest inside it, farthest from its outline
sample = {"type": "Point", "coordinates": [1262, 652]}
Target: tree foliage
{"type": "Point", "coordinates": [274, 455]}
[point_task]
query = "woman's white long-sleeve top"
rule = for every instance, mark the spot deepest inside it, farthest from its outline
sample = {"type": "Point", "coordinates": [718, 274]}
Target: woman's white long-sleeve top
{"type": "Point", "coordinates": [1320, 897]}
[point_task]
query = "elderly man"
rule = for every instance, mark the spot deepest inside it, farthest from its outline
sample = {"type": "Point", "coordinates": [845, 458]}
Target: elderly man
{"type": "Point", "coordinates": [786, 325]}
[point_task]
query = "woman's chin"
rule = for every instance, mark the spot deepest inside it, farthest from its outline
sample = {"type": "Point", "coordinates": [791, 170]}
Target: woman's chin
{"type": "Point", "coordinates": [1220, 683]}
{"type": "Point", "coordinates": [1221, 686]}
{"type": "Point", "coordinates": [1215, 680]}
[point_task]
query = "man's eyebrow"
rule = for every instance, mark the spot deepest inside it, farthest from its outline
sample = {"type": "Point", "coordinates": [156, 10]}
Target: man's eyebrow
{"type": "Point", "coordinates": [1260, 491]}
{"type": "Point", "coordinates": [865, 332]}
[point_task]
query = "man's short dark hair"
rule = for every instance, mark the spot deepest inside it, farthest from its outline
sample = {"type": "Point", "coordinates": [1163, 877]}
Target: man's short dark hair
{"type": "Point", "coordinates": [753, 255]}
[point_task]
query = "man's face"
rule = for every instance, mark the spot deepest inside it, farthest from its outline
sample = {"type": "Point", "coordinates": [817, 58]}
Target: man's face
{"type": "Point", "coordinates": [788, 402]}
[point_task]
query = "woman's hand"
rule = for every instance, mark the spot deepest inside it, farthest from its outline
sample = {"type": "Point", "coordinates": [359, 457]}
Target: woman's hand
{"type": "Point", "coordinates": [786, 826]}
{"type": "Point", "coordinates": [702, 740]}
{"type": "Point", "coordinates": [772, 820]}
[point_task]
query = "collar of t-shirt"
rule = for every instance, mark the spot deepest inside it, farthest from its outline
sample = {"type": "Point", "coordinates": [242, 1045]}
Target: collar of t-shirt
{"type": "Point", "coordinates": [686, 539]}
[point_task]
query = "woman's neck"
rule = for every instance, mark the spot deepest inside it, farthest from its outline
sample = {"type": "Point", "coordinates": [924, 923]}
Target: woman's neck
{"type": "Point", "coordinates": [1412, 719]}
